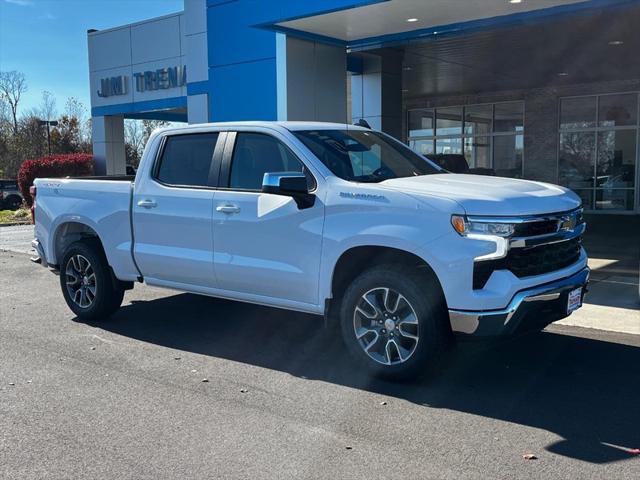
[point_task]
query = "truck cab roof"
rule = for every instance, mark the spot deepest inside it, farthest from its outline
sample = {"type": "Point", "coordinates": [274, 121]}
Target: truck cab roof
{"type": "Point", "coordinates": [288, 125]}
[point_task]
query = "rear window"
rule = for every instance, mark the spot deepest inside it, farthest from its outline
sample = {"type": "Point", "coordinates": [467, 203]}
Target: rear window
{"type": "Point", "coordinates": [186, 160]}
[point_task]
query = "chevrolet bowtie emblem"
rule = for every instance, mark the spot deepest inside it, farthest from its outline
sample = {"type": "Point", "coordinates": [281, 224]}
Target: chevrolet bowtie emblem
{"type": "Point", "coordinates": [568, 222]}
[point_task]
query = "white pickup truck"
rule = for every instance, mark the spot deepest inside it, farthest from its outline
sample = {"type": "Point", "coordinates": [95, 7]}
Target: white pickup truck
{"type": "Point", "coordinates": [330, 219]}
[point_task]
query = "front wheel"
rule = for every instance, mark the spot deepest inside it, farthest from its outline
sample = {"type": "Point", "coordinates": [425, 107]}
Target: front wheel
{"type": "Point", "coordinates": [394, 321]}
{"type": "Point", "coordinates": [86, 282]}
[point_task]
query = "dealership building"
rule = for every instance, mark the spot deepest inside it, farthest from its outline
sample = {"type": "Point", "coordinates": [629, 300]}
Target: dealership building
{"type": "Point", "coordinates": [538, 89]}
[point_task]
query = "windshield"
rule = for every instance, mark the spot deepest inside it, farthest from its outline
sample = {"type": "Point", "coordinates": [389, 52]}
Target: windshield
{"type": "Point", "coordinates": [363, 156]}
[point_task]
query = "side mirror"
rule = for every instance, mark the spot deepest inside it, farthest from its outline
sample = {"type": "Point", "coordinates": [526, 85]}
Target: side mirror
{"type": "Point", "coordinates": [290, 184]}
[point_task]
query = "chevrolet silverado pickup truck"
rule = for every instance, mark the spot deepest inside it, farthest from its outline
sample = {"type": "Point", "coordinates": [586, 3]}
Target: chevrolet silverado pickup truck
{"type": "Point", "coordinates": [335, 220]}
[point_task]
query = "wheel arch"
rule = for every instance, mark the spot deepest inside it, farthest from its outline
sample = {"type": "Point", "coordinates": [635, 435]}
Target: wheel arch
{"type": "Point", "coordinates": [353, 261]}
{"type": "Point", "coordinates": [69, 232]}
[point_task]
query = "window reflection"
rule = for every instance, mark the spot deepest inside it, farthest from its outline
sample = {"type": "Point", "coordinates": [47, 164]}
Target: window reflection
{"type": "Point", "coordinates": [600, 156]}
{"type": "Point", "coordinates": [423, 147]}
{"type": "Point", "coordinates": [577, 159]}
{"type": "Point", "coordinates": [478, 119]}
{"type": "Point", "coordinates": [449, 121]}
{"type": "Point", "coordinates": [509, 117]}
{"type": "Point", "coordinates": [421, 122]}
{"type": "Point", "coordinates": [618, 110]}
{"type": "Point", "coordinates": [507, 155]}
{"type": "Point", "coordinates": [449, 145]}
{"type": "Point", "coordinates": [477, 151]}
{"type": "Point", "coordinates": [489, 135]}
{"type": "Point", "coordinates": [579, 112]}
{"type": "Point", "coordinates": [616, 159]}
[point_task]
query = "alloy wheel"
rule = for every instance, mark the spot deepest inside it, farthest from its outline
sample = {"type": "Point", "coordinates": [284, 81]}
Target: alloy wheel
{"type": "Point", "coordinates": [386, 326]}
{"type": "Point", "coordinates": [80, 281]}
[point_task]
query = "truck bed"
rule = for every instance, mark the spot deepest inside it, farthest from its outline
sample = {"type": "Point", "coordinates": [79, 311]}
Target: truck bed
{"type": "Point", "coordinates": [100, 203]}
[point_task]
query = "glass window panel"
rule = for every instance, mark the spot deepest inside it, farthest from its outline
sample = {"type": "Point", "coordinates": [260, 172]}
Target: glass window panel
{"type": "Point", "coordinates": [507, 155]}
{"type": "Point", "coordinates": [449, 145]}
{"type": "Point", "coordinates": [477, 151]}
{"type": "Point", "coordinates": [614, 199]}
{"type": "Point", "coordinates": [618, 110]}
{"type": "Point", "coordinates": [449, 121]}
{"type": "Point", "coordinates": [579, 112]}
{"type": "Point", "coordinates": [577, 159]}
{"type": "Point", "coordinates": [616, 159]}
{"type": "Point", "coordinates": [509, 117]}
{"type": "Point", "coordinates": [421, 122]}
{"type": "Point", "coordinates": [186, 159]}
{"type": "Point", "coordinates": [254, 155]}
{"type": "Point", "coordinates": [423, 147]}
{"type": "Point", "coordinates": [477, 119]}
{"type": "Point", "coordinates": [587, 198]}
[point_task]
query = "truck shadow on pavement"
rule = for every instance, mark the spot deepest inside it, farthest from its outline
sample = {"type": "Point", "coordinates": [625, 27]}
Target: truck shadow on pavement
{"type": "Point", "coordinates": [587, 391]}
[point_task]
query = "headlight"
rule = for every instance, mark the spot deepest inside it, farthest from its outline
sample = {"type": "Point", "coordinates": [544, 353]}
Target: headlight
{"type": "Point", "coordinates": [466, 227]}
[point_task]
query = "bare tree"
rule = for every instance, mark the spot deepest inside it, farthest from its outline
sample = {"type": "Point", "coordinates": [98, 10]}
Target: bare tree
{"type": "Point", "coordinates": [74, 108]}
{"type": "Point", "coordinates": [134, 140]}
{"type": "Point", "coordinates": [136, 134]}
{"type": "Point", "coordinates": [48, 110]}
{"type": "Point", "coordinates": [12, 85]}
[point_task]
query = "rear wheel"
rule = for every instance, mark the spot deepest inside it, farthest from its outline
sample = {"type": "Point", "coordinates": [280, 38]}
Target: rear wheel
{"type": "Point", "coordinates": [86, 281]}
{"type": "Point", "coordinates": [393, 322]}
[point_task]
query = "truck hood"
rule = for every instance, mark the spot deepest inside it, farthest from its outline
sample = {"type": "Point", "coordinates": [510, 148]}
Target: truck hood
{"type": "Point", "coordinates": [484, 195]}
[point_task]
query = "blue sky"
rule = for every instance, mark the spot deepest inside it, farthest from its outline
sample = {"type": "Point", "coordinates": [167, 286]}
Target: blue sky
{"type": "Point", "coordinates": [47, 40]}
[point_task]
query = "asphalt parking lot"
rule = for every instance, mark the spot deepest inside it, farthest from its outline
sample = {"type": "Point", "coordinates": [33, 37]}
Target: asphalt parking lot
{"type": "Point", "coordinates": [128, 398]}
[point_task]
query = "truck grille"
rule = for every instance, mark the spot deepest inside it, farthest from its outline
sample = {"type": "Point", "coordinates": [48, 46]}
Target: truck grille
{"type": "Point", "coordinates": [526, 262]}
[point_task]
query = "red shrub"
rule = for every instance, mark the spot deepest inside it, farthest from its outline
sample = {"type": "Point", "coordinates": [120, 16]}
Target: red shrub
{"type": "Point", "coordinates": [53, 166]}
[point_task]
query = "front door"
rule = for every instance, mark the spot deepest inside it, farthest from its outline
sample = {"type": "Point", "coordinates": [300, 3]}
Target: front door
{"type": "Point", "coordinates": [172, 213]}
{"type": "Point", "coordinates": [264, 244]}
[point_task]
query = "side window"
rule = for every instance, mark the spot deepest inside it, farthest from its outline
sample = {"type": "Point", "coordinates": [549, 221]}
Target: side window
{"type": "Point", "coordinates": [186, 159]}
{"type": "Point", "coordinates": [254, 155]}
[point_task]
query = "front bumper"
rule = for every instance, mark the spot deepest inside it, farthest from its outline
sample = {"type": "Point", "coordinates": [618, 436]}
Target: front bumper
{"type": "Point", "coordinates": [529, 309]}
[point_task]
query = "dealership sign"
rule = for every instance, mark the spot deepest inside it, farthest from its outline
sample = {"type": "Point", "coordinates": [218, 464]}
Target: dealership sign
{"type": "Point", "coordinates": [149, 80]}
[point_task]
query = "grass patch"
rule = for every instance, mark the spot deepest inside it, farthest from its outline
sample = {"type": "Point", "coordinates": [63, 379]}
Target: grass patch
{"type": "Point", "coordinates": [21, 215]}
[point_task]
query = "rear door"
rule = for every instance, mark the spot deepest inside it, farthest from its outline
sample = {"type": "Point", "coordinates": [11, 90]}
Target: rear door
{"type": "Point", "coordinates": [172, 211]}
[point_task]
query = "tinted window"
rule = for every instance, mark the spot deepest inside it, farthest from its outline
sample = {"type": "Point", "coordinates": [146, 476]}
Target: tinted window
{"type": "Point", "coordinates": [186, 159]}
{"type": "Point", "coordinates": [256, 154]}
{"type": "Point", "coordinates": [364, 156]}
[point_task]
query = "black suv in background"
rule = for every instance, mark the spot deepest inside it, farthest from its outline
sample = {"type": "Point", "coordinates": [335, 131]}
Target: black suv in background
{"type": "Point", "coordinates": [10, 196]}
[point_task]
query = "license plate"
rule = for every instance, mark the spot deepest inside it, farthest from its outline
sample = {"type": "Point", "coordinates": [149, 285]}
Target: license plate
{"type": "Point", "coordinates": [575, 300]}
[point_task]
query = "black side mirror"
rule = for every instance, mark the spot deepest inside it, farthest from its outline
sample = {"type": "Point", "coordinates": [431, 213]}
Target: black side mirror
{"type": "Point", "coordinates": [290, 184]}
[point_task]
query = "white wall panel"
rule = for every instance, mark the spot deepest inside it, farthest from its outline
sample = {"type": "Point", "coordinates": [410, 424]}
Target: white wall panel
{"type": "Point", "coordinates": [109, 49]}
{"type": "Point", "coordinates": [155, 39]}
{"type": "Point", "coordinates": [195, 16]}
{"type": "Point", "coordinates": [198, 108]}
{"type": "Point", "coordinates": [196, 51]}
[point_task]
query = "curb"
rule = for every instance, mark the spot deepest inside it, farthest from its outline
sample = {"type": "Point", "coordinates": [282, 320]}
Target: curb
{"type": "Point", "coordinates": [14, 224]}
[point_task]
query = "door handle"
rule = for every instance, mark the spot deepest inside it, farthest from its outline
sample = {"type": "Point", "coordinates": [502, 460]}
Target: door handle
{"type": "Point", "coordinates": [147, 203]}
{"type": "Point", "coordinates": [228, 208]}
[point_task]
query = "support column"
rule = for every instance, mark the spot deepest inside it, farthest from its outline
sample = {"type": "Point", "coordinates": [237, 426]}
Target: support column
{"type": "Point", "coordinates": [311, 80]}
{"type": "Point", "coordinates": [108, 145]}
{"type": "Point", "coordinates": [376, 93]}
{"type": "Point", "coordinates": [198, 108]}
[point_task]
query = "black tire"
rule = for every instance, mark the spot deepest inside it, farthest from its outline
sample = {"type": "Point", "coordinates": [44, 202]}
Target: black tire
{"type": "Point", "coordinates": [424, 298]}
{"type": "Point", "coordinates": [107, 297]}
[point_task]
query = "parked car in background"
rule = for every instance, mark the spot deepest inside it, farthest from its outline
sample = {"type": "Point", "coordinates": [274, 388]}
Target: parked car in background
{"type": "Point", "coordinates": [330, 219]}
{"type": "Point", "coordinates": [10, 196]}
